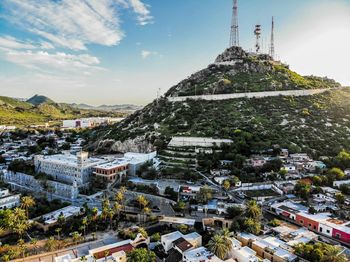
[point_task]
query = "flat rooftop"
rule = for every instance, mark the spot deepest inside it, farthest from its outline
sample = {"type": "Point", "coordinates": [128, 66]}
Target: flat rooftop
{"type": "Point", "coordinates": [116, 163]}
{"type": "Point", "coordinates": [178, 220]}
{"type": "Point", "coordinates": [71, 160]}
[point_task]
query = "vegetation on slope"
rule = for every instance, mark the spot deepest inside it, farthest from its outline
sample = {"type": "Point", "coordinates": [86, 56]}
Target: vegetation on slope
{"type": "Point", "coordinates": [318, 124]}
{"type": "Point", "coordinates": [236, 71]}
{"type": "Point", "coordinates": [15, 112]}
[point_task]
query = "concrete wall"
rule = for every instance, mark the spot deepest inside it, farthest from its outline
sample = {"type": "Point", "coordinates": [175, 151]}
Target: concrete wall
{"type": "Point", "coordinates": [249, 95]}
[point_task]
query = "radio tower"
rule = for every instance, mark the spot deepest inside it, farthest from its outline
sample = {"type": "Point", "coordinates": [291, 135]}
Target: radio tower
{"type": "Point", "coordinates": [234, 37]}
{"type": "Point", "coordinates": [272, 43]}
{"type": "Point", "coordinates": [257, 33]}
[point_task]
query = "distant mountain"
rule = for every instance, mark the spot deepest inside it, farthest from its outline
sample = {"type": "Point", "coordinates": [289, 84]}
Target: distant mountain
{"type": "Point", "coordinates": [40, 109]}
{"type": "Point", "coordinates": [122, 108]}
{"type": "Point", "coordinates": [39, 99]}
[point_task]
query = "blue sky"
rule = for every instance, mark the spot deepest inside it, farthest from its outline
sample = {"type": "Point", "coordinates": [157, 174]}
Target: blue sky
{"type": "Point", "coordinates": [123, 51]}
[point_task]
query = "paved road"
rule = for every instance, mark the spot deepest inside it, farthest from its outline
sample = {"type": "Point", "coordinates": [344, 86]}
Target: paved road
{"type": "Point", "coordinates": [221, 188]}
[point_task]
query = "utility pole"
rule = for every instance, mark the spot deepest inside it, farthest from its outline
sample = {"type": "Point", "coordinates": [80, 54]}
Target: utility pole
{"type": "Point", "coordinates": [234, 36]}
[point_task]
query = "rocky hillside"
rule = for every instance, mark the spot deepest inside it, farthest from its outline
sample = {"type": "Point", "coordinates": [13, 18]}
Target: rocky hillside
{"type": "Point", "coordinates": [38, 100]}
{"type": "Point", "coordinates": [237, 71]}
{"type": "Point", "coordinates": [318, 124]}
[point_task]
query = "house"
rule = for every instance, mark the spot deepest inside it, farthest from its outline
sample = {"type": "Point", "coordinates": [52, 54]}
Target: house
{"type": "Point", "coordinates": [8, 200]}
{"type": "Point", "coordinates": [200, 254]}
{"type": "Point", "coordinates": [269, 248]}
{"type": "Point", "coordinates": [180, 241]}
{"type": "Point", "coordinates": [322, 223]}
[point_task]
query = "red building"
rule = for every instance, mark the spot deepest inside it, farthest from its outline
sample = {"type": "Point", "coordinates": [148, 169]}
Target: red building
{"type": "Point", "coordinates": [305, 221]}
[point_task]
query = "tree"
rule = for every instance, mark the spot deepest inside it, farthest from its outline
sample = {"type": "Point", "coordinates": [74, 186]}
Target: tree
{"type": "Point", "coordinates": [142, 201]}
{"type": "Point", "coordinates": [156, 237]}
{"type": "Point", "coordinates": [226, 184]}
{"type": "Point", "coordinates": [34, 243]}
{"type": "Point", "coordinates": [335, 174]}
{"type": "Point", "coordinates": [253, 210]}
{"type": "Point", "coordinates": [219, 246]}
{"type": "Point", "coordinates": [252, 226]}
{"type": "Point", "coordinates": [205, 194]}
{"type": "Point", "coordinates": [275, 222]}
{"type": "Point", "coordinates": [233, 212]}
{"type": "Point", "coordinates": [340, 198]}
{"type": "Point", "coordinates": [18, 221]}
{"type": "Point", "coordinates": [85, 223]}
{"type": "Point", "coordinates": [51, 244]}
{"type": "Point", "coordinates": [26, 203]}
{"type": "Point", "coordinates": [141, 255]}
{"type": "Point", "coordinates": [333, 254]}
{"type": "Point", "coordinates": [58, 232]}
{"type": "Point", "coordinates": [143, 232]}
{"type": "Point", "coordinates": [76, 237]}
{"type": "Point", "coordinates": [302, 189]}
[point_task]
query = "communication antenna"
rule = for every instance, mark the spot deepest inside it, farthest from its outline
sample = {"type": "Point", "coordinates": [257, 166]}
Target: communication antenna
{"type": "Point", "coordinates": [257, 33]}
{"type": "Point", "coordinates": [234, 37]}
{"type": "Point", "coordinates": [272, 43]}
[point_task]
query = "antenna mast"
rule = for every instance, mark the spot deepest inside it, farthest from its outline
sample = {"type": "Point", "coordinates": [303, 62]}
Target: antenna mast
{"type": "Point", "coordinates": [272, 44]}
{"type": "Point", "coordinates": [234, 37]}
{"type": "Point", "coordinates": [257, 33]}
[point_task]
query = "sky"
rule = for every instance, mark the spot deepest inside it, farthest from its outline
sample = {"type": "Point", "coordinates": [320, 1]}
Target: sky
{"type": "Point", "coordinates": [126, 51]}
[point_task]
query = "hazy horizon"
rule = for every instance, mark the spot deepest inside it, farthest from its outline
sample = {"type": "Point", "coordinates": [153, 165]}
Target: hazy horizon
{"type": "Point", "coordinates": [123, 51]}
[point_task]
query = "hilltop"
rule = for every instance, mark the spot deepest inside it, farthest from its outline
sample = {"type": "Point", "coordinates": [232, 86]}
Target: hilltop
{"type": "Point", "coordinates": [38, 100]}
{"type": "Point", "coordinates": [318, 124]}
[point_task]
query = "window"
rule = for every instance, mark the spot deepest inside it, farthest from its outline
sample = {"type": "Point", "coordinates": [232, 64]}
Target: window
{"type": "Point", "coordinates": [314, 227]}
{"type": "Point", "coordinates": [328, 231]}
{"type": "Point", "coordinates": [321, 229]}
{"type": "Point", "coordinates": [301, 221]}
{"type": "Point", "coordinates": [337, 235]}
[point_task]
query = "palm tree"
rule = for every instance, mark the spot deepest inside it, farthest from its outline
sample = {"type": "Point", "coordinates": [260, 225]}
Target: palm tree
{"type": "Point", "coordinates": [93, 234]}
{"type": "Point", "coordinates": [83, 258]}
{"type": "Point", "coordinates": [22, 247]}
{"type": "Point", "coordinates": [58, 231]}
{"type": "Point", "coordinates": [84, 223]}
{"type": "Point", "coordinates": [143, 202]}
{"type": "Point", "coordinates": [219, 246]}
{"type": "Point", "coordinates": [253, 210]}
{"type": "Point", "coordinates": [226, 234]}
{"type": "Point", "coordinates": [117, 208]}
{"type": "Point", "coordinates": [333, 254]}
{"type": "Point", "coordinates": [76, 237]}
{"type": "Point", "coordinates": [26, 203]}
{"type": "Point", "coordinates": [119, 197]}
{"type": "Point", "coordinates": [34, 243]}
{"type": "Point", "coordinates": [111, 214]}
{"type": "Point", "coordinates": [17, 221]}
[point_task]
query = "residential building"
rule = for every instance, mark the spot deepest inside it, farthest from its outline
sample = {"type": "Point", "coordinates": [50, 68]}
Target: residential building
{"type": "Point", "coordinates": [180, 241]}
{"type": "Point", "coordinates": [8, 200]}
{"type": "Point", "coordinates": [322, 223]}
{"type": "Point", "coordinates": [269, 248]}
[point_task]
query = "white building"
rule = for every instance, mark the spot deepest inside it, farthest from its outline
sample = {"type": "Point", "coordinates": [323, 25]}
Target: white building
{"type": "Point", "coordinates": [7, 200]}
{"type": "Point", "coordinates": [168, 240]}
{"type": "Point", "coordinates": [137, 159]}
{"type": "Point", "coordinates": [68, 168]}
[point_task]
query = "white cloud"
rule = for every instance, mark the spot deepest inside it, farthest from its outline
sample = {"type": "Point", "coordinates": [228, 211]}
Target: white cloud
{"type": "Point", "coordinates": [9, 42]}
{"type": "Point", "coordinates": [143, 12]}
{"type": "Point", "coordinates": [48, 62]}
{"type": "Point", "coordinates": [146, 54]}
{"type": "Point", "coordinates": [74, 24]}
